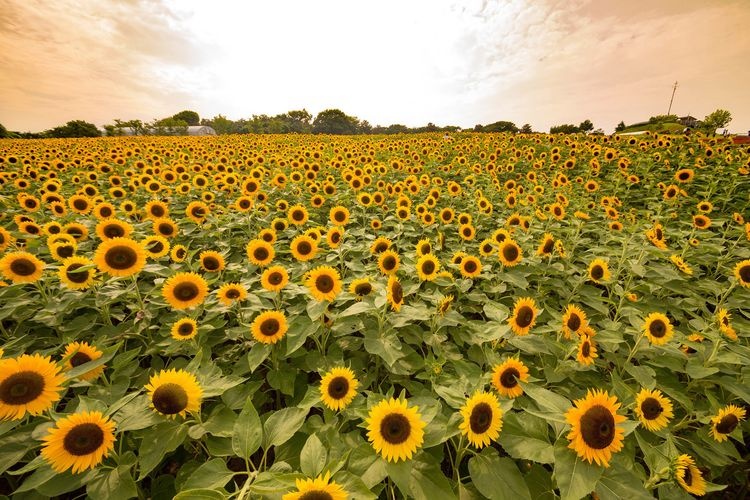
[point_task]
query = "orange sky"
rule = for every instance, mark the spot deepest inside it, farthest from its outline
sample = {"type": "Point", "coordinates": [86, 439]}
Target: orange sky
{"type": "Point", "coordinates": [462, 63]}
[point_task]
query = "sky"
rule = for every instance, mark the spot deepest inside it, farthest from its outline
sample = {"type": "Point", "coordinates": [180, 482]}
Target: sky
{"type": "Point", "coordinates": [542, 62]}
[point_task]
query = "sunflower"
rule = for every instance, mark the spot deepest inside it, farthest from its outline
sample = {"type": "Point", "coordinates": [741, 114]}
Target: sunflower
{"type": "Point", "coordinates": [547, 245]}
{"type": "Point", "coordinates": [586, 351]}
{"type": "Point", "coordinates": [742, 273]}
{"type": "Point", "coordinates": [595, 434]}
{"type": "Point", "coordinates": [723, 318]}
{"type": "Point", "coordinates": [178, 253]}
{"type": "Point", "coordinates": [653, 409]}
{"type": "Point", "coordinates": [524, 316]}
{"type": "Point", "coordinates": [184, 329]}
{"type": "Point", "coordinates": [184, 290]}
{"type": "Point", "coordinates": [445, 304]}
{"type": "Point", "coordinates": [230, 293]}
{"type": "Point", "coordinates": [726, 421]}
{"type": "Point", "coordinates": [320, 488]}
{"type": "Point", "coordinates": [79, 441]}
{"type": "Point", "coordinates": [212, 261]}
{"type": "Point", "coordinates": [681, 264]}
{"type": "Point", "coordinates": [380, 245]}
{"type": "Point", "coordinates": [338, 388]}
{"type": "Point", "coordinates": [395, 429]}
{"type": "Point", "coordinates": [174, 392]}
{"type": "Point", "coordinates": [197, 211]}
{"type": "Point", "coordinates": [156, 209]}
{"type": "Point", "coordinates": [510, 253]}
{"type": "Point", "coordinates": [389, 262]}
{"type": "Point", "coordinates": [324, 283]}
{"type": "Point", "coordinates": [427, 267]}
{"type": "Point", "coordinates": [657, 328]}
{"type": "Point", "coordinates": [21, 267]}
{"type": "Point", "coordinates": [599, 271]}
{"type": "Point", "coordinates": [78, 353]}
{"type": "Point", "coordinates": [573, 320]}
{"type": "Point", "coordinates": [701, 221]}
{"type": "Point", "coordinates": [155, 246]}
{"type": "Point", "coordinates": [274, 278]}
{"type": "Point", "coordinates": [689, 476]}
{"type": "Point", "coordinates": [339, 215]}
{"type": "Point", "coordinates": [507, 375]}
{"type": "Point", "coordinates": [260, 252]}
{"type": "Point", "coordinates": [28, 384]}
{"type": "Point", "coordinates": [470, 266]}
{"type": "Point", "coordinates": [360, 288]}
{"type": "Point", "coordinates": [5, 239]}
{"type": "Point", "coordinates": [120, 257]}
{"type": "Point", "coordinates": [269, 327]}
{"type": "Point", "coordinates": [304, 248]}
{"type": "Point", "coordinates": [76, 230]}
{"type": "Point", "coordinates": [166, 227]}
{"type": "Point", "coordinates": [395, 293]}
{"type": "Point", "coordinates": [297, 215]}
{"type": "Point", "coordinates": [482, 419]}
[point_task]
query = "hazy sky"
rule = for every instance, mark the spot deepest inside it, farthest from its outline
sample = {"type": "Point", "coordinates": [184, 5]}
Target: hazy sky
{"type": "Point", "coordinates": [390, 61]}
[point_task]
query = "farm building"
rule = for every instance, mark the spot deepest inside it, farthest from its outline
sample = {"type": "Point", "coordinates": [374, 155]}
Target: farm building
{"type": "Point", "coordinates": [201, 130]}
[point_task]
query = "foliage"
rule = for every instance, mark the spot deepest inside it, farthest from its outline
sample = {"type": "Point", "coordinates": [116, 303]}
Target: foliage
{"type": "Point", "coordinates": [620, 126]}
{"type": "Point", "coordinates": [335, 121]}
{"type": "Point", "coordinates": [3, 132]}
{"type": "Point", "coordinates": [663, 119]}
{"type": "Point", "coordinates": [74, 128]}
{"type": "Point", "coordinates": [716, 119]}
{"type": "Point", "coordinates": [189, 117]}
{"type": "Point", "coordinates": [564, 129]}
{"type": "Point", "coordinates": [501, 126]}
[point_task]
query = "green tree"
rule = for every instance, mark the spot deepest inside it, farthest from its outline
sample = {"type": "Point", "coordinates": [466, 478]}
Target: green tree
{"type": "Point", "coordinates": [169, 126]}
{"type": "Point", "coordinates": [501, 126]}
{"type": "Point", "coordinates": [221, 124]}
{"type": "Point", "coordinates": [620, 126]}
{"type": "Point", "coordinates": [3, 132]}
{"type": "Point", "coordinates": [663, 119]}
{"type": "Point", "coordinates": [189, 117]}
{"type": "Point", "coordinates": [718, 119]}
{"type": "Point", "coordinates": [567, 128]}
{"type": "Point", "coordinates": [74, 128]}
{"type": "Point", "coordinates": [526, 129]}
{"type": "Point", "coordinates": [335, 121]}
{"type": "Point", "coordinates": [586, 126]}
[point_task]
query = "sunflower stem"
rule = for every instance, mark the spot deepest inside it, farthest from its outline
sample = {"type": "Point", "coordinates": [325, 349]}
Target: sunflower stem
{"type": "Point", "coordinates": [632, 352]}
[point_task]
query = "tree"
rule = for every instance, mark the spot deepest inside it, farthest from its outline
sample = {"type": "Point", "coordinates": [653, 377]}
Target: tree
{"type": "Point", "coordinates": [718, 119]}
{"type": "Point", "coordinates": [335, 121]}
{"type": "Point", "coordinates": [526, 129]}
{"type": "Point", "coordinates": [663, 119]}
{"type": "Point", "coordinates": [169, 126]}
{"type": "Point", "coordinates": [620, 126]}
{"type": "Point", "coordinates": [187, 116]}
{"type": "Point", "coordinates": [74, 128]}
{"type": "Point", "coordinates": [586, 126]}
{"type": "Point", "coordinates": [567, 128]}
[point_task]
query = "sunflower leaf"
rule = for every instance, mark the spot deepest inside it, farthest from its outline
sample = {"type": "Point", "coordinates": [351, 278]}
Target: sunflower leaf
{"type": "Point", "coordinates": [497, 478]}
{"type": "Point", "coordinates": [575, 477]}
{"type": "Point", "coordinates": [247, 432]}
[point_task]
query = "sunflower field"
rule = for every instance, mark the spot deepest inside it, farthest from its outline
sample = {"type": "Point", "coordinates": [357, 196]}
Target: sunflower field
{"type": "Point", "coordinates": [418, 316]}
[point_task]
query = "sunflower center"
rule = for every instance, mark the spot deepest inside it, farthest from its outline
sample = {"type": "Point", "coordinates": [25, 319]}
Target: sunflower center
{"type": "Point", "coordinates": [651, 408]}
{"type": "Point", "coordinates": [745, 273]}
{"type": "Point", "coordinates": [22, 267]}
{"type": "Point", "coordinates": [397, 292]}
{"type": "Point", "coordinates": [83, 439]}
{"type": "Point", "coordinates": [298, 215]}
{"type": "Point", "coordinates": [185, 329]}
{"type": "Point", "coordinates": [113, 231]}
{"type": "Point", "coordinates": [688, 476]}
{"type": "Point", "coordinates": [428, 267]}
{"type": "Point", "coordinates": [156, 247]}
{"type": "Point", "coordinates": [324, 283]}
{"type": "Point", "coordinates": [470, 266]}
{"type": "Point", "coordinates": [79, 358]}
{"type": "Point", "coordinates": [598, 427]}
{"type": "Point", "coordinates": [121, 257]}
{"type": "Point", "coordinates": [166, 229]}
{"type": "Point", "coordinates": [338, 387]}
{"type": "Point", "coordinates": [509, 378]}
{"type": "Point", "coordinates": [335, 237]}
{"type": "Point", "coordinates": [316, 495]}
{"type": "Point", "coordinates": [186, 291]}
{"type": "Point", "coordinates": [586, 349]}
{"type": "Point", "coordinates": [395, 428]}
{"type": "Point", "coordinates": [211, 263]}
{"type": "Point", "coordinates": [381, 247]}
{"type": "Point", "coordinates": [275, 278]}
{"type": "Point", "coordinates": [659, 233]}
{"type": "Point", "coordinates": [76, 277]}
{"type": "Point", "coordinates": [21, 388]}
{"type": "Point", "coordinates": [339, 216]}
{"type": "Point", "coordinates": [198, 212]}
{"type": "Point", "coordinates": [480, 418]}
{"type": "Point", "coordinates": [157, 211]}
{"type": "Point", "coordinates": [270, 327]}
{"type": "Point", "coordinates": [657, 328]}
{"type": "Point", "coordinates": [80, 204]}
{"type": "Point", "coordinates": [525, 316]}
{"type": "Point", "coordinates": [510, 252]}
{"type": "Point", "coordinates": [597, 272]}
{"type": "Point", "coordinates": [574, 322]}
{"type": "Point", "coordinates": [65, 251]}
{"type": "Point", "coordinates": [363, 289]}
{"type": "Point", "coordinates": [233, 293]}
{"type": "Point", "coordinates": [548, 246]}
{"type": "Point", "coordinates": [727, 424]}
{"type": "Point", "coordinates": [304, 248]}
{"type": "Point", "coordinates": [260, 254]}
{"type": "Point", "coordinates": [170, 399]}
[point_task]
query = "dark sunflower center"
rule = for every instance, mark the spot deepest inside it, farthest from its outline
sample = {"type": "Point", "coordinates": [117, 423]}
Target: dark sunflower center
{"type": "Point", "coordinates": [65, 251]}
{"type": "Point", "coordinates": [304, 248]}
{"type": "Point", "coordinates": [185, 329]}
{"type": "Point", "coordinates": [22, 267]}
{"type": "Point", "coordinates": [158, 211]}
{"type": "Point", "coordinates": [180, 253]}
{"type": "Point", "coordinates": [745, 273]}
{"type": "Point", "coordinates": [381, 247]}
{"type": "Point", "coordinates": [509, 378]}
{"type": "Point", "coordinates": [597, 272]}
{"type": "Point", "coordinates": [270, 327]}
{"type": "Point", "coordinates": [487, 248]}
{"type": "Point", "coordinates": [598, 427]}
{"type": "Point", "coordinates": [525, 316]}
{"type": "Point", "coordinates": [233, 293]}
{"type": "Point", "coordinates": [186, 291]}
{"type": "Point", "coordinates": [211, 263]}
{"type": "Point", "coordinates": [76, 277]}
{"type": "Point", "coordinates": [363, 289]}
{"type": "Point", "coordinates": [275, 278]}
{"type": "Point", "coordinates": [156, 247]}
{"type": "Point", "coordinates": [339, 216]}
{"type": "Point", "coordinates": [727, 424]}
{"type": "Point", "coordinates": [688, 476]}
{"type": "Point", "coordinates": [480, 418]}
{"type": "Point", "coordinates": [548, 246]}
{"type": "Point", "coordinates": [80, 204]}
{"type": "Point", "coordinates": [397, 293]}
{"type": "Point", "coordinates": [83, 439]}
{"type": "Point", "coordinates": [470, 266]}
{"type": "Point", "coordinates": [395, 428]}
{"type": "Point", "coordinates": [338, 387]}
{"type": "Point", "coordinates": [335, 237]}
{"type": "Point", "coordinates": [389, 262]}
{"type": "Point", "coordinates": [113, 231]}
{"type": "Point", "coordinates": [79, 358]}
{"type": "Point", "coordinates": [659, 233]}
{"type": "Point", "coordinates": [105, 212]}
{"type": "Point", "coordinates": [21, 388]}
{"type": "Point", "coordinates": [260, 254]}
{"type": "Point", "coordinates": [198, 212]}
{"type": "Point", "coordinates": [166, 229]}
{"type": "Point", "coordinates": [586, 349]}
{"type": "Point", "coordinates": [298, 215]}
{"type": "Point", "coordinates": [467, 231]}
{"type": "Point", "coordinates": [324, 283]}
{"type": "Point", "coordinates": [684, 176]}
{"type": "Point", "coordinates": [428, 267]}
{"type": "Point", "coordinates": [574, 322]}
{"type": "Point", "coordinates": [510, 252]}
{"type": "Point", "coordinates": [244, 204]}
{"type": "Point", "coordinates": [651, 408]}
{"type": "Point", "coordinates": [170, 399]}
{"type": "Point", "coordinates": [657, 328]}
{"type": "Point", "coordinates": [121, 257]}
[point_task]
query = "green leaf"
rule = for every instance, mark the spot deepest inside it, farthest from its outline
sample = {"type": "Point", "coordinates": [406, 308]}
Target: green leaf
{"type": "Point", "coordinates": [313, 457]}
{"type": "Point", "coordinates": [201, 494]}
{"type": "Point", "coordinates": [301, 328]}
{"type": "Point", "coordinates": [575, 477]}
{"type": "Point", "coordinates": [357, 308]}
{"type": "Point", "coordinates": [211, 475]}
{"type": "Point", "coordinates": [618, 482]}
{"type": "Point", "coordinates": [282, 425]}
{"type": "Point", "coordinates": [258, 353]}
{"type": "Point", "coordinates": [526, 437]}
{"type": "Point", "coordinates": [247, 432]}
{"type": "Point", "coordinates": [107, 354]}
{"type": "Point", "coordinates": [115, 483]}
{"type": "Point", "coordinates": [157, 442]}
{"type": "Point", "coordinates": [497, 478]}
{"type": "Point", "coordinates": [428, 481]}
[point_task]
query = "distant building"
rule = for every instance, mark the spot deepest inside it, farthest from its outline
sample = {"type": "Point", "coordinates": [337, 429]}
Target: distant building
{"type": "Point", "coordinates": [191, 130]}
{"type": "Point", "coordinates": [200, 130]}
{"type": "Point", "coordinates": [689, 121]}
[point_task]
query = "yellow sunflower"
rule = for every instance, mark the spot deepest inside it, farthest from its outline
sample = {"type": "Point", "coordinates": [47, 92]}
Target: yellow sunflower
{"type": "Point", "coordinates": [423, 247]}
{"type": "Point", "coordinates": [320, 488]}
{"type": "Point", "coordinates": [339, 215]}
{"type": "Point", "coordinates": [77, 273]}
{"type": "Point", "coordinates": [155, 246]}
{"type": "Point", "coordinates": [573, 320]}
{"type": "Point", "coordinates": [212, 261]}
{"type": "Point", "coordinates": [334, 237]}
{"type": "Point", "coordinates": [21, 267]}
{"type": "Point", "coordinates": [658, 329]}
{"type": "Point", "coordinates": [725, 325]}
{"type": "Point", "coordinates": [360, 288]}
{"type": "Point", "coordinates": [470, 266]}
{"type": "Point", "coordinates": [395, 429]}
{"type": "Point", "coordinates": [120, 257]}
{"type": "Point", "coordinates": [742, 273]}
{"type": "Point", "coordinates": [507, 375]}
{"type": "Point", "coordinates": [184, 290]}
{"type": "Point", "coordinates": [380, 245]}
{"type": "Point", "coordinates": [63, 250]}
{"type": "Point", "coordinates": [482, 419]}
{"type": "Point", "coordinates": [184, 329]}
{"type": "Point", "coordinates": [165, 227]}
{"type": "Point", "coordinates": [427, 267]}
{"type": "Point", "coordinates": [230, 293]}
{"type": "Point", "coordinates": [689, 476]}
{"type": "Point", "coordinates": [79, 442]}
{"type": "Point", "coordinates": [274, 278]}
{"type": "Point", "coordinates": [338, 388]}
{"type": "Point", "coordinates": [78, 353]}
{"type": "Point", "coordinates": [112, 228]}
{"type": "Point", "coordinates": [304, 248]}
{"type": "Point", "coordinates": [586, 351]}
{"type": "Point", "coordinates": [595, 434]}
{"type": "Point", "coordinates": [297, 215]}
{"type": "Point", "coordinates": [654, 410]}
{"type": "Point", "coordinates": [28, 384]}
{"type": "Point", "coordinates": [547, 245]}
{"type": "Point", "coordinates": [445, 304]}
{"type": "Point", "coordinates": [388, 262]}
{"type": "Point", "coordinates": [599, 271]}
{"type": "Point", "coordinates": [5, 239]}
{"type": "Point", "coordinates": [174, 392]}
{"type": "Point", "coordinates": [260, 252]}
{"type": "Point", "coordinates": [394, 293]}
{"type": "Point", "coordinates": [726, 421]}
{"type": "Point", "coordinates": [510, 253]}
{"type": "Point", "coordinates": [524, 316]}
{"type": "Point", "coordinates": [269, 327]}
{"type": "Point", "coordinates": [680, 263]}
{"type": "Point", "coordinates": [324, 283]}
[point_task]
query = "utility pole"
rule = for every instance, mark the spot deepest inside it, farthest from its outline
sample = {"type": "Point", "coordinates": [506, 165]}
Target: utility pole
{"type": "Point", "coordinates": [674, 89]}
